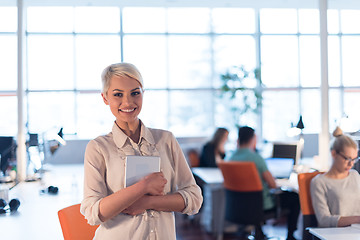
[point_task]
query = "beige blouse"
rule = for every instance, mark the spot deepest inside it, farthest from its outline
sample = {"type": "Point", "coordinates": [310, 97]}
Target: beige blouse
{"type": "Point", "coordinates": [104, 168]}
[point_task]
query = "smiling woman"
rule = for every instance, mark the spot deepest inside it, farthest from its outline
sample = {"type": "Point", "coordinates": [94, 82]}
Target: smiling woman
{"type": "Point", "coordinates": [124, 96]}
{"type": "Point", "coordinates": [125, 104]}
{"type": "Point", "coordinates": [143, 210]}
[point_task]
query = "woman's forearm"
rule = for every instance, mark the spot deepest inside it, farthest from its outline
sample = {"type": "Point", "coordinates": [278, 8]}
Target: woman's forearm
{"type": "Point", "coordinates": [115, 203]}
{"type": "Point", "coordinates": [167, 203]}
{"type": "Point", "coordinates": [347, 221]}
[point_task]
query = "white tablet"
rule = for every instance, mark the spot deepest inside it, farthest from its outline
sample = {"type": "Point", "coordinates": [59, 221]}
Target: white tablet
{"type": "Point", "coordinates": [138, 167]}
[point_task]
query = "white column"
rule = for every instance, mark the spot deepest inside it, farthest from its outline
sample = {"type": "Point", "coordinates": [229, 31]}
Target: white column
{"type": "Point", "coordinates": [324, 137]}
{"type": "Point", "coordinates": [21, 148]}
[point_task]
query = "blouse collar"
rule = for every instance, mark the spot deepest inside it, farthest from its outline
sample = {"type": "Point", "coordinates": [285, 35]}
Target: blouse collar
{"type": "Point", "coordinates": [120, 137]}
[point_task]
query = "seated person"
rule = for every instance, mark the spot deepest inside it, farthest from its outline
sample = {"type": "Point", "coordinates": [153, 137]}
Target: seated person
{"type": "Point", "coordinates": [214, 150]}
{"type": "Point", "coordinates": [335, 195]}
{"type": "Point", "coordinates": [288, 200]}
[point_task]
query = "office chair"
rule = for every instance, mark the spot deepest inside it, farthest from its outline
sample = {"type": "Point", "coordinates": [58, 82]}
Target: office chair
{"type": "Point", "coordinates": [309, 219]}
{"type": "Point", "coordinates": [243, 195]}
{"type": "Point", "coordinates": [73, 224]}
{"type": "Point", "coordinates": [193, 158]}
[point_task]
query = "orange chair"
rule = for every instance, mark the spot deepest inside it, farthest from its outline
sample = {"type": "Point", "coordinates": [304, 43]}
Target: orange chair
{"type": "Point", "coordinates": [193, 158]}
{"type": "Point", "coordinates": [243, 194]}
{"type": "Point", "coordinates": [73, 224]}
{"type": "Point", "coordinates": [309, 219]}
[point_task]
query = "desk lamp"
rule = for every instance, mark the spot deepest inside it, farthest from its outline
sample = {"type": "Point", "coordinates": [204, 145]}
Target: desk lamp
{"type": "Point", "coordinates": [296, 130]}
{"type": "Point", "coordinates": [300, 124]}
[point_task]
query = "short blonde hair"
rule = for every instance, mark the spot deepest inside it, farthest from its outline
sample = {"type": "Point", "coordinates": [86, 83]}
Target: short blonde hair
{"type": "Point", "coordinates": [341, 141]}
{"type": "Point", "coordinates": [119, 69]}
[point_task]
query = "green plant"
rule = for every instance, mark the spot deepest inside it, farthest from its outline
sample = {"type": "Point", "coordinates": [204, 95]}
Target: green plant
{"type": "Point", "coordinates": [244, 90]}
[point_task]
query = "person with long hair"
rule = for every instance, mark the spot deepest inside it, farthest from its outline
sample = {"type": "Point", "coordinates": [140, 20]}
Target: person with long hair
{"type": "Point", "coordinates": [214, 150]}
{"type": "Point", "coordinates": [335, 194]}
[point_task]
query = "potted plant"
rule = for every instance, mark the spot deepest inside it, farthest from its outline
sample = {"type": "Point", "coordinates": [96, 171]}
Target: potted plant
{"type": "Point", "coordinates": [243, 89]}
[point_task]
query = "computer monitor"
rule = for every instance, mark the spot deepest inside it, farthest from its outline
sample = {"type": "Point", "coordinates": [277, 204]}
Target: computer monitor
{"type": "Point", "coordinates": [280, 167]}
{"type": "Point", "coordinates": [287, 150]}
{"type": "Point", "coordinates": [7, 151]}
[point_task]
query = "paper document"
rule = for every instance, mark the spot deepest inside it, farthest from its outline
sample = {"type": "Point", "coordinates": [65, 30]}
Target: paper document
{"type": "Point", "coordinates": [138, 167]}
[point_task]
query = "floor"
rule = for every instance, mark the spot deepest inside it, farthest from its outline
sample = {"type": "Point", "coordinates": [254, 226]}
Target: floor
{"type": "Point", "coordinates": [190, 229]}
{"type": "Point", "coordinates": [37, 214]}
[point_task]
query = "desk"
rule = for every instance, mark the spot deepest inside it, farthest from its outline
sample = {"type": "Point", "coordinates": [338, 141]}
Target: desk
{"type": "Point", "coordinates": [213, 212]}
{"type": "Point", "coordinates": [290, 184]}
{"type": "Point", "coordinates": [37, 217]}
{"type": "Point", "coordinates": [348, 233]}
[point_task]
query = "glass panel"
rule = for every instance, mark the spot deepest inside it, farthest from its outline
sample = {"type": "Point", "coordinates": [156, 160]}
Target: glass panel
{"type": "Point", "coordinates": [94, 117]}
{"type": "Point", "coordinates": [335, 108]}
{"type": "Point", "coordinates": [348, 18]}
{"type": "Point", "coordinates": [280, 109]}
{"type": "Point", "coordinates": [149, 54]}
{"type": "Point", "coordinates": [310, 61]}
{"type": "Point", "coordinates": [311, 110]}
{"type": "Point", "coordinates": [8, 62]}
{"type": "Point", "coordinates": [229, 114]}
{"type": "Point", "coordinates": [233, 51]}
{"type": "Point", "coordinates": [93, 54]}
{"type": "Point", "coordinates": [189, 61]}
{"type": "Point", "coordinates": [224, 115]}
{"type": "Point", "coordinates": [8, 19]}
{"type": "Point", "coordinates": [50, 111]}
{"type": "Point", "coordinates": [154, 112]}
{"type": "Point", "coordinates": [233, 20]}
{"type": "Point", "coordinates": [351, 98]}
{"type": "Point", "coordinates": [107, 19]}
{"type": "Point", "coordinates": [8, 112]}
{"type": "Point", "coordinates": [278, 21]}
{"type": "Point", "coordinates": [50, 19]}
{"type": "Point", "coordinates": [188, 20]}
{"type": "Point", "coordinates": [309, 21]}
{"type": "Point", "coordinates": [190, 113]}
{"type": "Point", "coordinates": [50, 62]}
{"type": "Point", "coordinates": [334, 60]}
{"type": "Point", "coordinates": [151, 20]}
{"type": "Point", "coordinates": [351, 60]}
{"type": "Point", "coordinates": [279, 61]}
{"type": "Point", "coordinates": [333, 21]}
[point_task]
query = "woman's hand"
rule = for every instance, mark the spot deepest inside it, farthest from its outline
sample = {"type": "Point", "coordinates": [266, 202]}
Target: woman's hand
{"type": "Point", "coordinates": [155, 184]}
{"type": "Point", "coordinates": [138, 207]}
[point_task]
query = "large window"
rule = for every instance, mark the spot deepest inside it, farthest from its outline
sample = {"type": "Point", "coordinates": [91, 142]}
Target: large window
{"type": "Point", "coordinates": [8, 70]}
{"type": "Point", "coordinates": [290, 64]}
{"type": "Point", "coordinates": [180, 61]}
{"type": "Point", "coordinates": [181, 52]}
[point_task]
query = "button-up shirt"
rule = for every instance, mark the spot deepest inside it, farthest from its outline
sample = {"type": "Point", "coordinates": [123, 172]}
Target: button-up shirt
{"type": "Point", "coordinates": [104, 174]}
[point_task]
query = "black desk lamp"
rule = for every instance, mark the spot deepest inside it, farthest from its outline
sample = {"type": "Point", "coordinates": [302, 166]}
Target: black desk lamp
{"type": "Point", "coordinates": [300, 124]}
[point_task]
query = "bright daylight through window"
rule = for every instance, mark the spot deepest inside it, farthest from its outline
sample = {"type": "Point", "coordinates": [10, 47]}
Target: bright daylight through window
{"type": "Point", "coordinates": [181, 60]}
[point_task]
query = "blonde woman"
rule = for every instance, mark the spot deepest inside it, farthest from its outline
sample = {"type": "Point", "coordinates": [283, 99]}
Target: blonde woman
{"type": "Point", "coordinates": [336, 194]}
{"type": "Point", "coordinates": [145, 209]}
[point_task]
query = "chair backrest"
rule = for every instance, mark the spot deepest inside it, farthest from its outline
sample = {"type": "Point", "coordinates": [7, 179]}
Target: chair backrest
{"type": "Point", "coordinates": [309, 219]}
{"type": "Point", "coordinates": [304, 180]}
{"type": "Point", "coordinates": [74, 225]}
{"type": "Point", "coordinates": [241, 176]}
{"type": "Point", "coordinates": [243, 193]}
{"type": "Point", "coordinates": [193, 158]}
